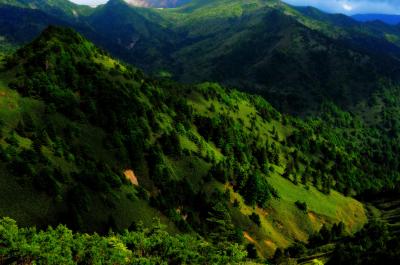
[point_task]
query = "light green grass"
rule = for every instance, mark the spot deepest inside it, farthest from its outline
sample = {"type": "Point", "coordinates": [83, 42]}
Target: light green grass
{"type": "Point", "coordinates": [188, 144]}
{"type": "Point", "coordinates": [282, 222]}
{"type": "Point", "coordinates": [9, 103]}
{"type": "Point", "coordinates": [334, 207]}
{"type": "Point", "coordinates": [109, 63]}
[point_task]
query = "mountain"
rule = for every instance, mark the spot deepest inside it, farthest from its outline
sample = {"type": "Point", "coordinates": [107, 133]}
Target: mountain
{"type": "Point", "coordinates": [100, 145]}
{"type": "Point", "coordinates": [129, 35]}
{"type": "Point", "coordinates": [388, 19]}
{"type": "Point", "coordinates": [373, 36]}
{"type": "Point", "coordinates": [297, 58]}
{"type": "Point", "coordinates": [278, 52]}
{"type": "Point", "coordinates": [23, 20]}
{"type": "Point", "coordinates": [18, 25]}
{"type": "Point", "coordinates": [234, 42]}
{"type": "Point", "coordinates": [63, 8]}
{"type": "Point", "coordinates": [94, 143]}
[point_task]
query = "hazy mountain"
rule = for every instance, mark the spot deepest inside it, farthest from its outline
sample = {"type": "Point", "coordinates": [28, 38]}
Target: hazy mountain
{"type": "Point", "coordinates": [388, 19]}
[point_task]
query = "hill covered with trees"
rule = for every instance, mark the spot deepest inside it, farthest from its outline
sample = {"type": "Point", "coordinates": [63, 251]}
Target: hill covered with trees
{"type": "Point", "coordinates": [101, 146]}
{"type": "Point", "coordinates": [297, 58]}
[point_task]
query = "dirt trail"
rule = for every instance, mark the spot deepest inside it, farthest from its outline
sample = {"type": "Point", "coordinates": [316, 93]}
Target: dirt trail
{"type": "Point", "coordinates": [130, 175]}
{"type": "Point", "coordinates": [249, 238]}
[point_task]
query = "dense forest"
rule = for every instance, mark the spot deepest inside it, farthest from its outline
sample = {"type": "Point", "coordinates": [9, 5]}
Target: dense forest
{"type": "Point", "coordinates": [82, 118]}
{"type": "Point", "coordinates": [104, 163]}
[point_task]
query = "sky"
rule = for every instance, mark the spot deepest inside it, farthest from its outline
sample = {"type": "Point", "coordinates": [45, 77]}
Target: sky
{"type": "Point", "coordinates": [352, 6]}
{"type": "Point", "coordinates": [334, 6]}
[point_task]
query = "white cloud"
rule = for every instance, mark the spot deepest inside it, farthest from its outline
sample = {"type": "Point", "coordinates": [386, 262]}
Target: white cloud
{"type": "Point", "coordinates": [89, 2]}
{"type": "Point", "coordinates": [347, 7]}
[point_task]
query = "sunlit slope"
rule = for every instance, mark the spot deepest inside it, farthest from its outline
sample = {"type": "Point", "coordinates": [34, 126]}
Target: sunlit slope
{"type": "Point", "coordinates": [95, 144]}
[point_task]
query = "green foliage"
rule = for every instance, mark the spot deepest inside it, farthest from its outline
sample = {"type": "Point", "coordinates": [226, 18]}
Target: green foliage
{"type": "Point", "coordinates": [144, 246]}
{"type": "Point", "coordinates": [251, 251]}
{"type": "Point", "coordinates": [296, 250]}
{"type": "Point", "coordinates": [94, 117]}
{"type": "Point", "coordinates": [255, 218]}
{"type": "Point", "coordinates": [327, 235]}
{"type": "Point", "coordinates": [372, 245]}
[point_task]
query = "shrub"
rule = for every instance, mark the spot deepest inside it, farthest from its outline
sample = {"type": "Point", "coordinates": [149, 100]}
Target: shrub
{"type": "Point", "coordinates": [255, 218]}
{"type": "Point", "coordinates": [301, 205]}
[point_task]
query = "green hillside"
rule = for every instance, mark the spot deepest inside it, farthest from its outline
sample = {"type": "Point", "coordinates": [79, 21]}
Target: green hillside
{"type": "Point", "coordinates": [297, 58]}
{"type": "Point", "coordinates": [92, 143]}
{"type": "Point", "coordinates": [178, 163]}
{"type": "Point", "coordinates": [63, 8]}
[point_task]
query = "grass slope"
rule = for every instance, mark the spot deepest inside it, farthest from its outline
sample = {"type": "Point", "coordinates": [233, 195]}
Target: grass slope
{"type": "Point", "coordinates": [74, 119]}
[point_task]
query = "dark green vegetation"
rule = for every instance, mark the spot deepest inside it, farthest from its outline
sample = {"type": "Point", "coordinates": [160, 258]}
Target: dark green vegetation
{"type": "Point", "coordinates": [379, 241]}
{"type": "Point", "coordinates": [96, 144]}
{"type": "Point", "coordinates": [296, 58]}
{"type": "Point", "coordinates": [303, 58]}
{"type": "Point", "coordinates": [316, 59]}
{"type": "Point", "coordinates": [58, 8]}
{"type": "Point", "coordinates": [374, 244]}
{"type": "Point", "coordinates": [74, 119]}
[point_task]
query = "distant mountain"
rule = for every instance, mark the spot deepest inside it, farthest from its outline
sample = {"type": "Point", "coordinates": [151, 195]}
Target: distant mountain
{"type": "Point", "coordinates": [388, 19]}
{"type": "Point", "coordinates": [130, 35]}
{"type": "Point", "coordinates": [21, 25]}
{"type": "Point", "coordinates": [295, 57]}
{"type": "Point", "coordinates": [61, 8]}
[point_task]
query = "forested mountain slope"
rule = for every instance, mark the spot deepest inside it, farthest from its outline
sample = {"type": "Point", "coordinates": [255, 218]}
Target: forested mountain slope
{"type": "Point", "coordinates": [92, 142]}
{"type": "Point", "coordinates": [62, 8]}
{"type": "Point", "coordinates": [99, 145]}
{"type": "Point", "coordinates": [297, 58]}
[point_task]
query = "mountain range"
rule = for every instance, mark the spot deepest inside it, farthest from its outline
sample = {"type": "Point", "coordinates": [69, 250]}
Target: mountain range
{"type": "Point", "coordinates": [233, 43]}
{"type": "Point", "coordinates": [388, 19]}
{"type": "Point", "coordinates": [253, 131]}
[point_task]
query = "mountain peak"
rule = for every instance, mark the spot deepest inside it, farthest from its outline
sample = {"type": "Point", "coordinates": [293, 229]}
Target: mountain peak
{"type": "Point", "coordinates": [116, 2]}
{"type": "Point", "coordinates": [65, 35]}
{"type": "Point", "coordinates": [54, 41]}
